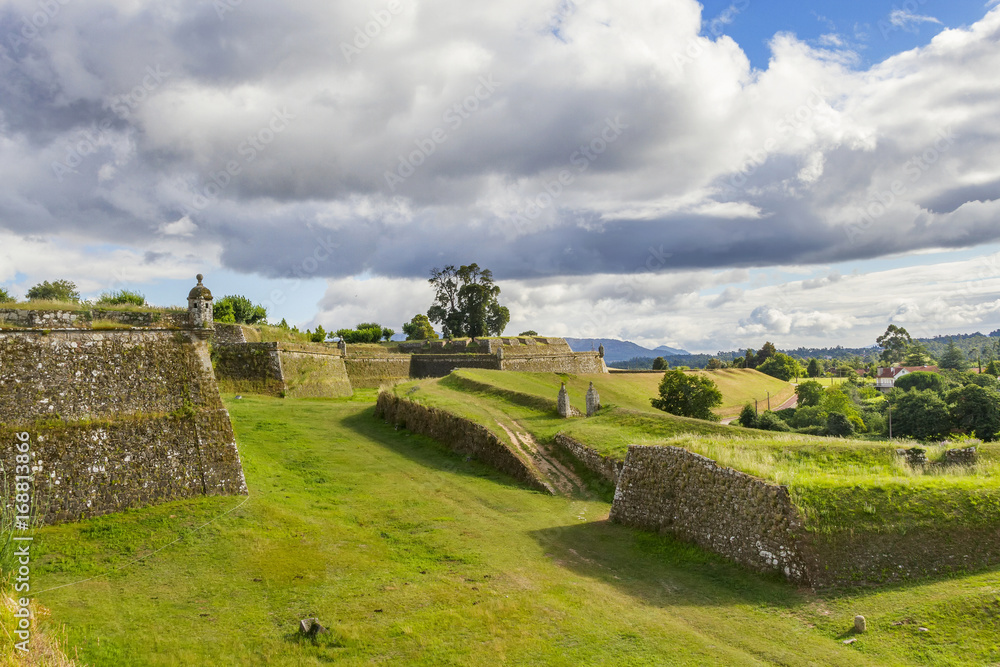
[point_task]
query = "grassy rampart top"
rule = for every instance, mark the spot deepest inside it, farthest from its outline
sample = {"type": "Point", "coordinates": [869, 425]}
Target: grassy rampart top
{"type": "Point", "coordinates": [839, 484]}
{"type": "Point", "coordinates": [78, 307]}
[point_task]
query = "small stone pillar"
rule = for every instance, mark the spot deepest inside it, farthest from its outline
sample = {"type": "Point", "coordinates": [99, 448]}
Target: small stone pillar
{"type": "Point", "coordinates": [500, 357]}
{"type": "Point", "coordinates": [342, 346]}
{"type": "Point", "coordinates": [563, 404]}
{"type": "Point", "coordinates": [600, 351]}
{"type": "Point", "coordinates": [200, 307]}
{"type": "Point", "coordinates": [593, 401]}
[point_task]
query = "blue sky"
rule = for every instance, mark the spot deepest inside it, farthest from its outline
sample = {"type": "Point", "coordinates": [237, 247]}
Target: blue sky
{"type": "Point", "coordinates": [805, 173]}
{"type": "Point", "coordinates": [870, 27]}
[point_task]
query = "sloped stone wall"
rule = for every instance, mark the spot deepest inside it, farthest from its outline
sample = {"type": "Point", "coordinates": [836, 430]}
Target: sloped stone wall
{"type": "Point", "coordinates": [314, 375]}
{"type": "Point", "coordinates": [439, 365]}
{"type": "Point", "coordinates": [374, 372]}
{"type": "Point", "coordinates": [87, 469]}
{"type": "Point", "coordinates": [726, 511]}
{"type": "Point", "coordinates": [250, 368]}
{"type": "Point", "coordinates": [461, 435]}
{"type": "Point", "coordinates": [606, 467]}
{"type": "Point", "coordinates": [576, 363]}
{"type": "Point", "coordinates": [74, 375]}
{"type": "Point", "coordinates": [115, 419]}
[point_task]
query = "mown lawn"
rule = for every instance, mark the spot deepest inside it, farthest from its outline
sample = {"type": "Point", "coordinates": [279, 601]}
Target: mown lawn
{"type": "Point", "coordinates": [414, 556]}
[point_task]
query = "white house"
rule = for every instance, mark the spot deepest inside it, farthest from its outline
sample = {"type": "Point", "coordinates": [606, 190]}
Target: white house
{"type": "Point", "coordinates": [886, 377]}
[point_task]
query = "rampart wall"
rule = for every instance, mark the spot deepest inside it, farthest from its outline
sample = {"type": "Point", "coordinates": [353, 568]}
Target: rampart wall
{"type": "Point", "coordinates": [606, 467]}
{"type": "Point", "coordinates": [115, 419]}
{"type": "Point", "coordinates": [726, 511]}
{"type": "Point", "coordinates": [461, 435]}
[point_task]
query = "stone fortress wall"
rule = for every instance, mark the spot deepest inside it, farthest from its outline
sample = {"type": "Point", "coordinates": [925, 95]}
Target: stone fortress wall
{"type": "Point", "coordinates": [115, 418]}
{"type": "Point", "coordinates": [326, 369]}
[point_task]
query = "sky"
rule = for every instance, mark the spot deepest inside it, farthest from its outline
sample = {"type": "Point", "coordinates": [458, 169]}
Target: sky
{"type": "Point", "coordinates": [704, 177]}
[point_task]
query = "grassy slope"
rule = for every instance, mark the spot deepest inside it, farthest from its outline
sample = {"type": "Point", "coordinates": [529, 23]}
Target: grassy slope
{"type": "Point", "coordinates": [412, 555]}
{"type": "Point", "coordinates": [634, 390]}
{"type": "Point", "coordinates": [841, 485]}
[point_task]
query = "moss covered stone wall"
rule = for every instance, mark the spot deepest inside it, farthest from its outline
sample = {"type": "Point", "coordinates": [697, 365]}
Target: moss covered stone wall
{"type": "Point", "coordinates": [115, 419]}
{"type": "Point", "coordinates": [461, 435]}
{"type": "Point", "coordinates": [315, 375]}
{"type": "Point", "coordinates": [74, 375]}
{"type": "Point", "coordinates": [726, 511]}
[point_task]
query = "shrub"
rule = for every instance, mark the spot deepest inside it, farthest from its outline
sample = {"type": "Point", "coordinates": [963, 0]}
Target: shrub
{"type": "Point", "coordinates": [5, 296]}
{"type": "Point", "coordinates": [769, 421]}
{"type": "Point", "coordinates": [781, 366]}
{"type": "Point", "coordinates": [419, 328]}
{"type": "Point", "coordinates": [921, 380]}
{"type": "Point", "coordinates": [529, 332]}
{"type": "Point", "coordinates": [838, 424]}
{"type": "Point", "coordinates": [748, 416]}
{"type": "Point", "coordinates": [921, 414]}
{"type": "Point", "coordinates": [239, 310]}
{"type": "Point", "coordinates": [688, 395]}
{"type": "Point", "coordinates": [811, 415]}
{"type": "Point", "coordinates": [809, 392]}
{"type": "Point", "coordinates": [122, 298]}
{"type": "Point", "coordinates": [976, 410]}
{"type": "Point", "coordinates": [60, 290]}
{"type": "Point", "coordinates": [660, 364]}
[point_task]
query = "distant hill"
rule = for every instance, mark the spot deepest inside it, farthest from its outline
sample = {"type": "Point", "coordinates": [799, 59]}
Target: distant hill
{"type": "Point", "coordinates": [620, 350]}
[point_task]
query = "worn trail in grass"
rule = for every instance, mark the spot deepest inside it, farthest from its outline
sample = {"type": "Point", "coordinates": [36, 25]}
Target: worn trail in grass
{"type": "Point", "coordinates": [412, 555]}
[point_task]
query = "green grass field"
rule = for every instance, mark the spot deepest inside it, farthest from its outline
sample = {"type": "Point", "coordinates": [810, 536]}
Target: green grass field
{"type": "Point", "coordinates": [414, 556]}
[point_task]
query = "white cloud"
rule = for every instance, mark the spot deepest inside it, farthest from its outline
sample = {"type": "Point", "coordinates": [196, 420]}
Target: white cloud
{"type": "Point", "coordinates": [902, 18]}
{"type": "Point", "coordinates": [268, 152]}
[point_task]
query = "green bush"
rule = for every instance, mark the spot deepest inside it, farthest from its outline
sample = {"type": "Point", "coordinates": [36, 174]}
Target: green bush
{"type": "Point", "coordinates": [5, 296]}
{"type": "Point", "coordinates": [838, 425]}
{"type": "Point", "coordinates": [235, 309]}
{"type": "Point", "coordinates": [688, 395]}
{"type": "Point", "coordinates": [768, 421]}
{"type": "Point", "coordinates": [122, 298]}
{"type": "Point", "coordinates": [60, 290]}
{"type": "Point", "coordinates": [811, 415]}
{"type": "Point", "coordinates": [921, 380]}
{"type": "Point", "coordinates": [419, 328]}
{"type": "Point", "coordinates": [920, 414]}
{"type": "Point", "coordinates": [809, 392]}
{"type": "Point", "coordinates": [748, 416]}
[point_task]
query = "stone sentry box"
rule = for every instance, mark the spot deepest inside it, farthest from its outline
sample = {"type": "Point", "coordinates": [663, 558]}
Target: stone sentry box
{"type": "Point", "coordinates": [116, 418]}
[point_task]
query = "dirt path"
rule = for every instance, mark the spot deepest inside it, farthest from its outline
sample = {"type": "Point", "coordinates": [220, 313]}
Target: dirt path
{"type": "Point", "coordinates": [561, 478]}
